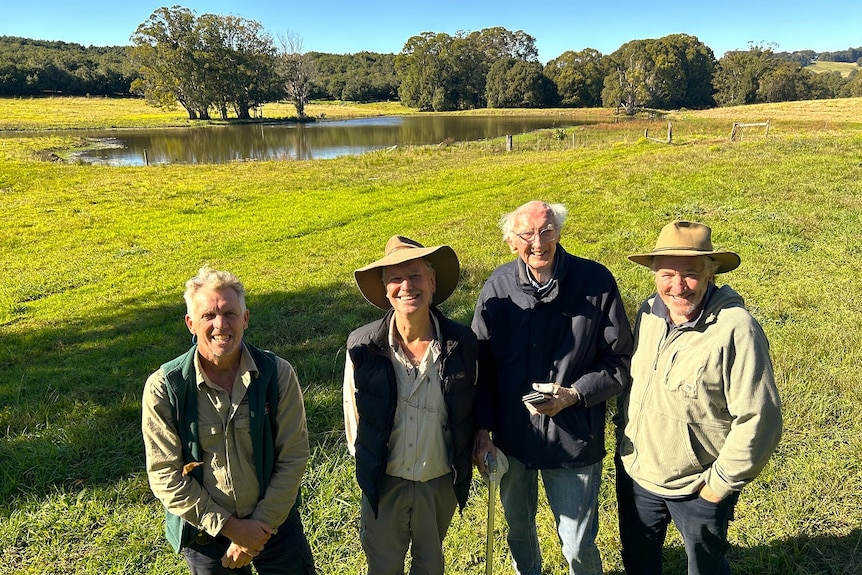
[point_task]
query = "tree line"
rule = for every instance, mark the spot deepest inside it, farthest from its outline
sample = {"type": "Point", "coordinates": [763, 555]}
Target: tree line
{"type": "Point", "coordinates": [35, 67]}
{"type": "Point", "coordinates": [806, 57]}
{"type": "Point", "coordinates": [214, 64]}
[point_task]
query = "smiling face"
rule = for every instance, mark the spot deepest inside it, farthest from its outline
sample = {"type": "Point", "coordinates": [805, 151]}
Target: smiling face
{"type": "Point", "coordinates": [410, 286]}
{"type": "Point", "coordinates": [538, 251]}
{"type": "Point", "coordinates": [681, 283]}
{"type": "Point", "coordinates": [218, 319]}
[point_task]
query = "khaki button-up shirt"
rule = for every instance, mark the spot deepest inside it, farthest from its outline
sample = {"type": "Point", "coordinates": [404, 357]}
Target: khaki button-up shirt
{"type": "Point", "coordinates": [418, 445]}
{"type": "Point", "coordinates": [230, 485]}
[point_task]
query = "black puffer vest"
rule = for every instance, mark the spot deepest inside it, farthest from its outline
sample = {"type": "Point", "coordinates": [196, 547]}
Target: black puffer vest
{"type": "Point", "coordinates": [376, 398]}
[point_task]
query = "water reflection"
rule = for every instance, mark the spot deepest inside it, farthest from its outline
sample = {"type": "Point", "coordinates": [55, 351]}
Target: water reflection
{"type": "Point", "coordinates": [319, 140]}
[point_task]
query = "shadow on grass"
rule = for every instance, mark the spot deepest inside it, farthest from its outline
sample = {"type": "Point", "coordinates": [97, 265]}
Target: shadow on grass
{"type": "Point", "coordinates": [70, 401]}
{"type": "Point", "coordinates": [70, 394]}
{"type": "Point", "coordinates": [803, 555]}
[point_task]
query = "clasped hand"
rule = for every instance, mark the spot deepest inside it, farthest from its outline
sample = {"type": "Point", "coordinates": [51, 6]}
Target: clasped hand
{"type": "Point", "coordinates": [248, 538]}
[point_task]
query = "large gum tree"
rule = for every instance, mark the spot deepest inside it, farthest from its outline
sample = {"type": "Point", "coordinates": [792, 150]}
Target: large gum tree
{"type": "Point", "coordinates": [440, 72]}
{"type": "Point", "coordinates": [207, 63]}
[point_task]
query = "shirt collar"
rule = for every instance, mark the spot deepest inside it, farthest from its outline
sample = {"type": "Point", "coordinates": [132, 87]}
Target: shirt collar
{"type": "Point", "coordinates": [435, 345]}
{"type": "Point", "coordinates": [541, 289]}
{"type": "Point", "coordinates": [247, 368]}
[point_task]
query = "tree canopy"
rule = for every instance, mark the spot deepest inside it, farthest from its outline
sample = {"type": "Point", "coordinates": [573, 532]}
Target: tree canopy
{"type": "Point", "coordinates": [579, 77]}
{"type": "Point", "coordinates": [360, 77]}
{"type": "Point", "coordinates": [432, 76]}
{"type": "Point", "coordinates": [203, 63]}
{"type": "Point", "coordinates": [671, 72]}
{"type": "Point", "coordinates": [441, 72]}
{"type": "Point", "coordinates": [759, 75]}
{"type": "Point", "coordinates": [214, 64]}
{"type": "Point", "coordinates": [37, 68]}
{"type": "Point", "coordinates": [516, 83]}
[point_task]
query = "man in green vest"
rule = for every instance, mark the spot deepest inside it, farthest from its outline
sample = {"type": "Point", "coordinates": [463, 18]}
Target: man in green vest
{"type": "Point", "coordinates": [226, 442]}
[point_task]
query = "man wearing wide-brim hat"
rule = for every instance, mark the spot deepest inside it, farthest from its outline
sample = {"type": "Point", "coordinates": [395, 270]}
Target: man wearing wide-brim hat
{"type": "Point", "coordinates": [409, 385]}
{"type": "Point", "coordinates": [702, 416]}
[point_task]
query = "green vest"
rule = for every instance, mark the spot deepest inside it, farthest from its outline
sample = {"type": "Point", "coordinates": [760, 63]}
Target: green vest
{"type": "Point", "coordinates": [262, 397]}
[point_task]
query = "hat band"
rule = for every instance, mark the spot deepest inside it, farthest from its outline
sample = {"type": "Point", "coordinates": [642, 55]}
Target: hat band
{"type": "Point", "coordinates": [686, 248]}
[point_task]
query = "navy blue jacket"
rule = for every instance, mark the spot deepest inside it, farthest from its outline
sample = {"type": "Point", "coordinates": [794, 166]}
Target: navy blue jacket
{"type": "Point", "coordinates": [576, 334]}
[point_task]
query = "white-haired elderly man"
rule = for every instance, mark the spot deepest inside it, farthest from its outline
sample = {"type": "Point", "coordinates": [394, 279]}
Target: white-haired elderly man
{"type": "Point", "coordinates": [702, 416]}
{"type": "Point", "coordinates": [553, 323]}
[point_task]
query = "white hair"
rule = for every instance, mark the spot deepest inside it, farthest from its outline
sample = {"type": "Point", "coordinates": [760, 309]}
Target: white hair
{"type": "Point", "coordinates": [558, 213]}
{"type": "Point", "coordinates": [215, 280]}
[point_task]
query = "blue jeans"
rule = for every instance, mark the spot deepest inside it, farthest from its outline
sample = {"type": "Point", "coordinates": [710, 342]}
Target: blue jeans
{"type": "Point", "coordinates": [645, 516]}
{"type": "Point", "coordinates": [573, 495]}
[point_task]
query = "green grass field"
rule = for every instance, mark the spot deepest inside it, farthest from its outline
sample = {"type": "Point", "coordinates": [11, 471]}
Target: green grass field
{"type": "Point", "coordinates": [94, 259]}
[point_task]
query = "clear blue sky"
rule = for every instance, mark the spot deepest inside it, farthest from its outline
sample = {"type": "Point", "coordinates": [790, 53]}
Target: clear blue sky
{"type": "Point", "coordinates": [339, 26]}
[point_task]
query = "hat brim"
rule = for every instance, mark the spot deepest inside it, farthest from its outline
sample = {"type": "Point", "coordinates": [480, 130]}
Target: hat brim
{"type": "Point", "coordinates": [727, 261]}
{"type": "Point", "coordinates": [447, 270]}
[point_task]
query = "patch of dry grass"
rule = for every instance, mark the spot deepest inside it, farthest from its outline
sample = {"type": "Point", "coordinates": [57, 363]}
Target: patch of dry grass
{"type": "Point", "coordinates": [837, 110]}
{"type": "Point", "coordinates": [58, 113]}
{"type": "Point", "coordinates": [845, 68]}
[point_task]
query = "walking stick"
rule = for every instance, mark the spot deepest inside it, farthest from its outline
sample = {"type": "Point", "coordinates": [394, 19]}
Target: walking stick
{"type": "Point", "coordinates": [491, 464]}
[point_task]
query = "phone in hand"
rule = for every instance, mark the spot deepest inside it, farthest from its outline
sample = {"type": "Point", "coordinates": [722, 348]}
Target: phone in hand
{"type": "Point", "coordinates": [537, 397]}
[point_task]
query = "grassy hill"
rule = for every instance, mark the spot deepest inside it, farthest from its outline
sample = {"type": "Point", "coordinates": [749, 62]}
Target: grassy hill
{"type": "Point", "coordinates": [94, 259]}
{"type": "Point", "coordinates": [845, 68]}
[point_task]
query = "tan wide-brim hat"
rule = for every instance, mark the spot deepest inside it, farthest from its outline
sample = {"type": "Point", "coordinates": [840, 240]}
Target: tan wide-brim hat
{"type": "Point", "coordinates": [399, 250]}
{"type": "Point", "coordinates": [681, 238]}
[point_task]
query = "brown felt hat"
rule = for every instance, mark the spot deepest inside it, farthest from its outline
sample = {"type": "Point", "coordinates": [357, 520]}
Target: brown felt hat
{"type": "Point", "coordinates": [399, 250]}
{"type": "Point", "coordinates": [681, 238]}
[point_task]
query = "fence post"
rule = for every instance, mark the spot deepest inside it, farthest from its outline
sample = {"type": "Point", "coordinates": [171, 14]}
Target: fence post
{"type": "Point", "coordinates": [669, 133]}
{"type": "Point", "coordinates": [509, 143]}
{"type": "Point", "coordinates": [737, 126]}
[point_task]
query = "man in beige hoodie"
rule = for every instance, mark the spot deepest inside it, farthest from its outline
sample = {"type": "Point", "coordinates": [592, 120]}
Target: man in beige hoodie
{"type": "Point", "coordinates": [702, 416]}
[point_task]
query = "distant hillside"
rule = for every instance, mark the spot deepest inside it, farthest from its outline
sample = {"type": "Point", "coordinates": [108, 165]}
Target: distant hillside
{"type": "Point", "coordinates": [845, 68]}
{"type": "Point", "coordinates": [37, 67]}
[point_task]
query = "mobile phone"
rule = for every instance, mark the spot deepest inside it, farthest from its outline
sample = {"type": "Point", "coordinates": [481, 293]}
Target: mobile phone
{"type": "Point", "coordinates": [536, 397]}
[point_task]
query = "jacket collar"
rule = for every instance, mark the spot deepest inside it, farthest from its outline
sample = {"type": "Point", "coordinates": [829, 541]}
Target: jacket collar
{"type": "Point", "coordinates": [550, 289]}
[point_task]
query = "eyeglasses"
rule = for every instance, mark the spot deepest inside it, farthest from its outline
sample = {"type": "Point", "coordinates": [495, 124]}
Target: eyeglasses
{"type": "Point", "coordinates": [546, 234]}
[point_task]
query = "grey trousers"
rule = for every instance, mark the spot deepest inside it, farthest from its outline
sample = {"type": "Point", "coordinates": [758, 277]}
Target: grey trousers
{"type": "Point", "coordinates": [414, 515]}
